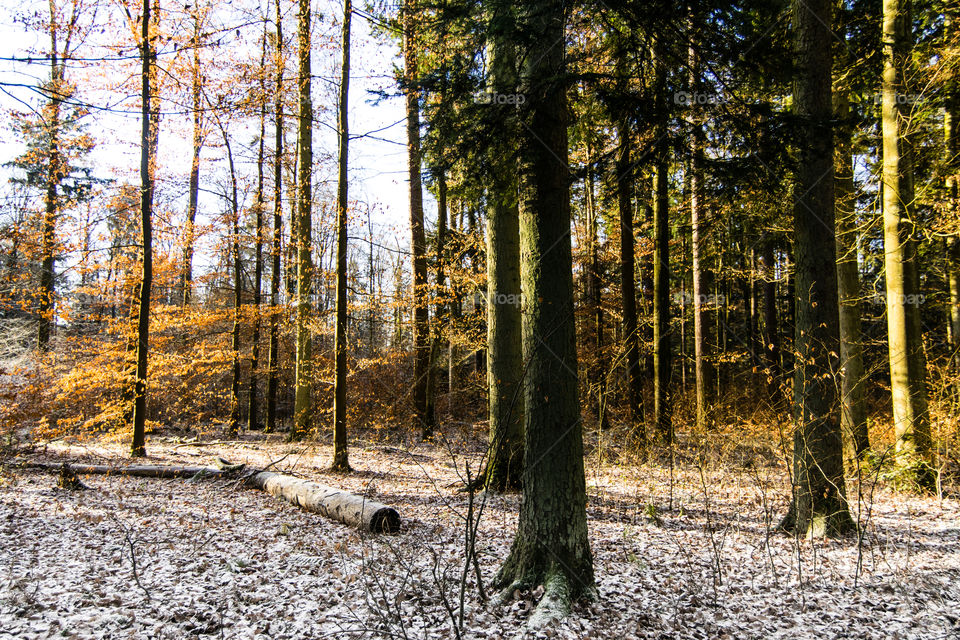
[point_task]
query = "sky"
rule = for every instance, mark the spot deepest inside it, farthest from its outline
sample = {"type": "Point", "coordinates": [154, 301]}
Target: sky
{"type": "Point", "coordinates": [377, 169]}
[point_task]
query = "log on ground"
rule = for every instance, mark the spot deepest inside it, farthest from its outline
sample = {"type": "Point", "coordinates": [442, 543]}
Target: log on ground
{"type": "Point", "coordinates": [339, 505]}
{"type": "Point", "coordinates": [142, 471]}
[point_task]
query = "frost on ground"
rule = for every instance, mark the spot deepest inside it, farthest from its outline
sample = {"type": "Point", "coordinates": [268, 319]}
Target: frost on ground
{"type": "Point", "coordinates": [693, 558]}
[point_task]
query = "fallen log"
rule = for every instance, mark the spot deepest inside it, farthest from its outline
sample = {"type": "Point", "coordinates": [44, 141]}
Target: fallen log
{"type": "Point", "coordinates": [333, 503]}
{"type": "Point", "coordinates": [340, 505]}
{"type": "Point", "coordinates": [141, 471]}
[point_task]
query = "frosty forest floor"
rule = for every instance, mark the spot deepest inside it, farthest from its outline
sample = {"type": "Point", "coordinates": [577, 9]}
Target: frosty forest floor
{"type": "Point", "coordinates": [216, 560]}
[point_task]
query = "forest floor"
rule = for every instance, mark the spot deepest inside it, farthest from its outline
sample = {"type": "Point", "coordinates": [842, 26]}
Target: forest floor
{"type": "Point", "coordinates": [691, 553]}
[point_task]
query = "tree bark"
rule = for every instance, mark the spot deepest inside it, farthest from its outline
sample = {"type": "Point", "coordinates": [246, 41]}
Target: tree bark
{"type": "Point", "coordinates": [504, 296]}
{"type": "Point", "coordinates": [276, 248]}
{"type": "Point", "coordinates": [340, 459]}
{"type": "Point", "coordinates": [819, 503]}
{"type": "Point", "coordinates": [908, 380]}
{"type": "Point", "coordinates": [186, 277]}
{"type": "Point", "coordinates": [628, 286]}
{"type": "Point", "coordinates": [421, 312]}
{"type": "Point", "coordinates": [662, 368]}
{"type": "Point", "coordinates": [551, 546]}
{"type": "Point", "coordinates": [853, 406]}
{"type": "Point", "coordinates": [148, 155]}
{"type": "Point", "coordinates": [252, 422]}
{"type": "Point", "coordinates": [303, 403]}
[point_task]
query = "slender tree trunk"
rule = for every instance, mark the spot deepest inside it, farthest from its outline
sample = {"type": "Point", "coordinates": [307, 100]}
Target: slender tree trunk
{"type": "Point", "coordinates": [303, 404]}
{"type": "Point", "coordinates": [276, 249]}
{"type": "Point", "coordinates": [421, 311]}
{"type": "Point", "coordinates": [908, 380]}
{"type": "Point", "coordinates": [951, 122]}
{"type": "Point", "coordinates": [702, 367]}
{"type": "Point", "coordinates": [551, 546]}
{"type": "Point", "coordinates": [252, 422]}
{"type": "Point", "coordinates": [439, 315]}
{"type": "Point", "coordinates": [819, 505]}
{"type": "Point", "coordinates": [662, 400]}
{"type": "Point", "coordinates": [340, 460]}
{"type": "Point", "coordinates": [234, 427]}
{"type": "Point", "coordinates": [598, 376]}
{"type": "Point", "coordinates": [186, 277]}
{"type": "Point", "coordinates": [771, 329]}
{"type": "Point", "coordinates": [148, 152]}
{"type": "Point", "coordinates": [628, 286]}
{"type": "Point", "coordinates": [853, 406]}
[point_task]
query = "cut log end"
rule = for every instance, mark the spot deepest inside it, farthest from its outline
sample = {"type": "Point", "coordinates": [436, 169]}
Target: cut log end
{"type": "Point", "coordinates": [385, 520]}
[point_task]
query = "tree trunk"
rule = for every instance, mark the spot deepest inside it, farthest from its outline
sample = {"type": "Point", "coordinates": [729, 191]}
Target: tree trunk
{"type": "Point", "coordinates": [908, 380]}
{"type": "Point", "coordinates": [504, 296]}
{"type": "Point", "coordinates": [551, 546]}
{"type": "Point", "coordinates": [951, 122]}
{"type": "Point", "coordinates": [148, 158]}
{"type": "Point", "coordinates": [819, 504]}
{"type": "Point", "coordinates": [186, 277]}
{"type": "Point", "coordinates": [237, 287]}
{"type": "Point", "coordinates": [771, 329]}
{"type": "Point", "coordinates": [702, 368]}
{"type": "Point", "coordinates": [853, 406]}
{"type": "Point", "coordinates": [662, 369]}
{"type": "Point", "coordinates": [276, 249]}
{"type": "Point", "coordinates": [421, 312]}
{"type": "Point", "coordinates": [252, 422]}
{"type": "Point", "coordinates": [303, 404]}
{"type": "Point", "coordinates": [628, 286]}
{"type": "Point", "coordinates": [340, 460]}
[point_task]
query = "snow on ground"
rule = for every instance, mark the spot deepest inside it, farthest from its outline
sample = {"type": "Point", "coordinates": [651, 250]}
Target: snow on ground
{"type": "Point", "coordinates": [695, 558]}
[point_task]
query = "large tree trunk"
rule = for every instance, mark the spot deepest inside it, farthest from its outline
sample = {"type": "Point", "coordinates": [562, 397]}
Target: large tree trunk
{"type": "Point", "coordinates": [908, 378]}
{"type": "Point", "coordinates": [551, 546]}
{"type": "Point", "coordinates": [853, 406]}
{"type": "Point", "coordinates": [148, 157]}
{"type": "Point", "coordinates": [303, 403]}
{"type": "Point", "coordinates": [819, 504]}
{"type": "Point", "coordinates": [504, 296]}
{"type": "Point", "coordinates": [340, 460]}
{"type": "Point", "coordinates": [276, 249]}
{"type": "Point", "coordinates": [421, 312]}
{"type": "Point", "coordinates": [628, 286]}
{"type": "Point", "coordinates": [951, 123]}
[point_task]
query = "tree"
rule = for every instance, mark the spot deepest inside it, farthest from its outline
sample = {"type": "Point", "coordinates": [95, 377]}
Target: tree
{"type": "Point", "coordinates": [551, 546]}
{"type": "Point", "coordinates": [908, 377]}
{"type": "Point", "coordinates": [425, 420]}
{"type": "Point", "coordinates": [340, 462]}
{"type": "Point", "coordinates": [275, 248]}
{"type": "Point", "coordinates": [303, 403]}
{"type": "Point", "coordinates": [186, 278]}
{"type": "Point", "coordinates": [148, 155]}
{"type": "Point", "coordinates": [258, 258]}
{"type": "Point", "coordinates": [819, 503]}
{"type": "Point", "coordinates": [504, 298]}
{"type": "Point", "coordinates": [662, 401]}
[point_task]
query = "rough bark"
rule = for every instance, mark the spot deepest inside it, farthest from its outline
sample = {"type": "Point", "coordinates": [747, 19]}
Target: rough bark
{"type": "Point", "coordinates": [819, 504]}
{"type": "Point", "coordinates": [662, 337]}
{"type": "Point", "coordinates": [340, 459]}
{"type": "Point", "coordinates": [908, 382]}
{"type": "Point", "coordinates": [303, 403]}
{"type": "Point", "coordinates": [551, 546]}
{"type": "Point", "coordinates": [504, 298]}
{"type": "Point", "coordinates": [421, 312]}
{"type": "Point", "coordinates": [853, 406]}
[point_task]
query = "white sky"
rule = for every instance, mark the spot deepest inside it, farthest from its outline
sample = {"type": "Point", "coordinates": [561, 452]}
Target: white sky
{"type": "Point", "coordinates": [378, 167]}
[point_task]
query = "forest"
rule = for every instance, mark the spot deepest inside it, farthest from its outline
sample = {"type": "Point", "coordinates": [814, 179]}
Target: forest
{"type": "Point", "coordinates": [480, 319]}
